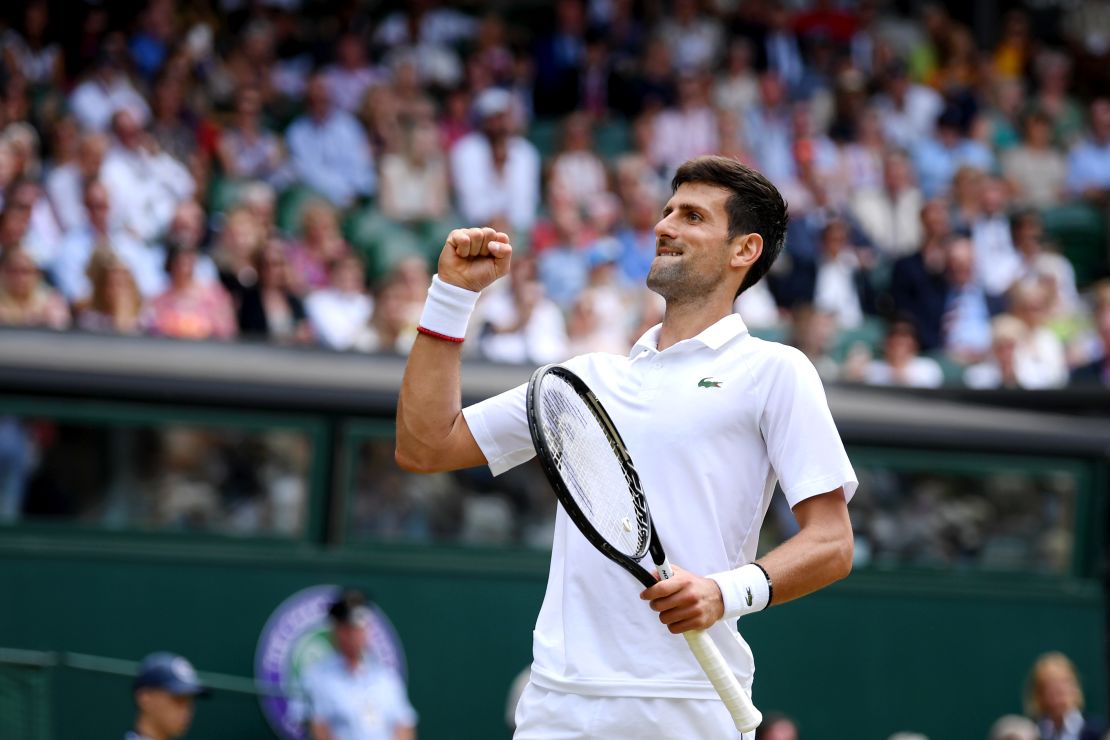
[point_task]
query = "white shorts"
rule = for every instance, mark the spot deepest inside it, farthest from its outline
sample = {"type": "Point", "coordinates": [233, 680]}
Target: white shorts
{"type": "Point", "coordinates": [542, 714]}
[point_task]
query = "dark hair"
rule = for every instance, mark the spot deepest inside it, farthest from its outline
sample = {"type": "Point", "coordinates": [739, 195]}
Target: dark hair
{"type": "Point", "coordinates": [754, 207]}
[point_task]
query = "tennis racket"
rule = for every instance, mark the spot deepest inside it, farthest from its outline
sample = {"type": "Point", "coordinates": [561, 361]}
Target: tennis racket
{"type": "Point", "coordinates": [591, 471]}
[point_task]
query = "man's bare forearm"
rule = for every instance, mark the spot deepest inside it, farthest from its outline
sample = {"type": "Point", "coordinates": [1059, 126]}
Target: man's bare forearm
{"type": "Point", "coordinates": [429, 409]}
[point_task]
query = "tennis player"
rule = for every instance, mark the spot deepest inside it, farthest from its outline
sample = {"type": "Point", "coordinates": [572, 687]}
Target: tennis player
{"type": "Point", "coordinates": [712, 417]}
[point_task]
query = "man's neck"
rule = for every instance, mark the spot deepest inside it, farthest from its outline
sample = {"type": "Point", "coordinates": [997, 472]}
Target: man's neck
{"type": "Point", "coordinates": [145, 728]}
{"type": "Point", "coordinates": [686, 320]}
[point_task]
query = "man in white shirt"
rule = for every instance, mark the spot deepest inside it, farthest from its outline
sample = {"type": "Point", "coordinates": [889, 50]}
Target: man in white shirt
{"type": "Point", "coordinates": [65, 184]}
{"type": "Point", "coordinates": [709, 455]}
{"type": "Point", "coordinates": [329, 148]}
{"type": "Point", "coordinates": [997, 264]}
{"type": "Point", "coordinates": [105, 92]}
{"type": "Point", "coordinates": [146, 263]}
{"type": "Point", "coordinates": [495, 172]}
{"type": "Point", "coordinates": [145, 183]}
{"type": "Point", "coordinates": [890, 216]}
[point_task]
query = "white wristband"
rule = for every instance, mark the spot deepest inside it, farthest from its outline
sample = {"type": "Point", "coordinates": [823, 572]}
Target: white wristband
{"type": "Point", "coordinates": [744, 590]}
{"type": "Point", "coordinates": [447, 311]}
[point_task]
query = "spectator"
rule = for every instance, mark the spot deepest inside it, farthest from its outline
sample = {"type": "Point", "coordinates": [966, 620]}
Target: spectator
{"type": "Point", "coordinates": [1054, 699]}
{"type": "Point", "coordinates": [939, 156]}
{"type": "Point", "coordinates": [966, 197]}
{"type": "Point", "coordinates": [767, 128]}
{"type": "Point", "coordinates": [901, 364]}
{"type": "Point", "coordinates": [340, 311]}
{"type": "Point", "coordinates": [415, 183]}
{"type": "Point", "coordinates": [999, 370]}
{"type": "Point", "coordinates": [1039, 358]}
{"type": "Point", "coordinates": [351, 75]}
{"type": "Point", "coordinates": [559, 55]}
{"type": "Point", "coordinates": [1035, 170]}
{"type": "Point", "coordinates": [78, 245]}
{"type": "Point", "coordinates": [908, 111]}
{"type": "Point", "coordinates": [996, 263]}
{"type": "Point", "coordinates": [65, 184]}
{"type": "Point", "coordinates": [695, 38]}
{"type": "Point", "coordinates": [269, 309]}
{"type": "Point", "coordinates": [392, 325]}
{"type": "Point", "coordinates": [25, 299]}
{"type": "Point", "coordinates": [495, 172]}
{"type": "Point", "coordinates": [329, 149]}
{"type": "Point", "coordinates": [31, 53]}
{"type": "Point", "coordinates": [783, 54]}
{"type": "Point", "coordinates": [107, 90]}
{"type": "Point", "coordinates": [115, 304]}
{"type": "Point", "coordinates": [918, 281]}
{"type": "Point", "coordinates": [812, 332]}
{"type": "Point", "coordinates": [34, 218]}
{"type": "Point", "coordinates": [1097, 373]}
{"type": "Point", "coordinates": [862, 158]}
{"type": "Point", "coordinates": [1089, 161]}
{"type": "Point", "coordinates": [173, 128]}
{"type": "Point", "coordinates": [164, 690]}
{"type": "Point", "coordinates": [1053, 69]}
{"type": "Point", "coordinates": [144, 183]}
{"type": "Point", "coordinates": [188, 229]}
{"type": "Point", "coordinates": [350, 693]}
{"type": "Point", "coordinates": [637, 237]}
{"type": "Point", "coordinates": [1040, 265]}
{"type": "Point", "coordinates": [247, 150]}
{"type": "Point", "coordinates": [737, 89]}
{"type": "Point", "coordinates": [190, 309]}
{"type": "Point", "coordinates": [233, 255]}
{"type": "Point", "coordinates": [518, 323]}
{"type": "Point", "coordinates": [890, 216]}
{"type": "Point", "coordinates": [967, 308]}
{"type": "Point", "coordinates": [321, 244]}
{"type": "Point", "coordinates": [842, 287]}
{"type": "Point", "coordinates": [562, 257]}
{"type": "Point", "coordinates": [576, 170]}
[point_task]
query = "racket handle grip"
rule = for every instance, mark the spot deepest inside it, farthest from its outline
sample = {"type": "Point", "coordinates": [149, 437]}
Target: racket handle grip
{"type": "Point", "coordinates": [744, 714]}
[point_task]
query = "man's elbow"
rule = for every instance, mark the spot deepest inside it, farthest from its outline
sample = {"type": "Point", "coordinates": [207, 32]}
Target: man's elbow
{"type": "Point", "coordinates": [845, 555]}
{"type": "Point", "coordinates": [413, 462]}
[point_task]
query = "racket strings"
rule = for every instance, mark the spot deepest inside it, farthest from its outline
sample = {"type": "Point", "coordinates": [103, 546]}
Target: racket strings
{"type": "Point", "coordinates": [591, 469]}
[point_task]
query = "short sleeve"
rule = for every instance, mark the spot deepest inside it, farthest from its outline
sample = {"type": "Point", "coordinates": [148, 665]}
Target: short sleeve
{"type": "Point", "coordinates": [500, 427]}
{"type": "Point", "coordinates": [803, 444]}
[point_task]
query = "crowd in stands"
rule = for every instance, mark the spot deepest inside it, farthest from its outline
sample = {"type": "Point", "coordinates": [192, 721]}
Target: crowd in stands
{"type": "Point", "coordinates": [287, 172]}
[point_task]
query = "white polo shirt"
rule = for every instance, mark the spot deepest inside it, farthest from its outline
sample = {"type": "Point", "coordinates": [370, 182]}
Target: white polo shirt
{"type": "Point", "coordinates": [711, 423]}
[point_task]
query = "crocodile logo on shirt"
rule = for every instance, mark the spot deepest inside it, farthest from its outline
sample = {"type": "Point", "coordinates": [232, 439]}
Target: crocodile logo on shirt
{"type": "Point", "coordinates": [749, 597]}
{"type": "Point", "coordinates": [709, 383]}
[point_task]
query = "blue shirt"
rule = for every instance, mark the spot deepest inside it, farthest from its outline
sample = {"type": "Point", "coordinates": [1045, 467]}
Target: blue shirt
{"type": "Point", "coordinates": [369, 703]}
{"type": "Point", "coordinates": [1089, 166]}
{"type": "Point", "coordinates": [936, 163]}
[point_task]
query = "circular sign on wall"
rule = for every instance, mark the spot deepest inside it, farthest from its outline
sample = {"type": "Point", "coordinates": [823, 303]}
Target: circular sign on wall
{"type": "Point", "coordinates": [295, 637]}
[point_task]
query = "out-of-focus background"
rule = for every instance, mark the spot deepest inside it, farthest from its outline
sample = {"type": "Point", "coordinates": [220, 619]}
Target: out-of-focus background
{"type": "Point", "coordinates": [218, 221]}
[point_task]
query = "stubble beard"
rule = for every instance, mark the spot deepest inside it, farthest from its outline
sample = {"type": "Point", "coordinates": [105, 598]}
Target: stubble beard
{"type": "Point", "coordinates": [679, 284]}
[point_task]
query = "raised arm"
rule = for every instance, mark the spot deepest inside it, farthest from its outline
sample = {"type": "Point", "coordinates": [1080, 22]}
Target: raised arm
{"type": "Point", "coordinates": [432, 434]}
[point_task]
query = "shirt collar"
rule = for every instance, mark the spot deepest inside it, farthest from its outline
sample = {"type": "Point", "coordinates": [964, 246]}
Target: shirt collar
{"type": "Point", "coordinates": [713, 337]}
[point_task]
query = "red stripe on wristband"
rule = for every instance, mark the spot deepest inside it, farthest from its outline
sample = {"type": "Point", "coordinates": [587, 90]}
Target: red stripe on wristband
{"type": "Point", "coordinates": [437, 335]}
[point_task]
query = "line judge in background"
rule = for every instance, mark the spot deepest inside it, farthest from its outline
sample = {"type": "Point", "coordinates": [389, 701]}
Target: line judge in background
{"type": "Point", "coordinates": [709, 455]}
{"type": "Point", "coordinates": [164, 690]}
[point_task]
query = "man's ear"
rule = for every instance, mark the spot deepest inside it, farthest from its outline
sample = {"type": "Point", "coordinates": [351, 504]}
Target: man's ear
{"type": "Point", "coordinates": [746, 249]}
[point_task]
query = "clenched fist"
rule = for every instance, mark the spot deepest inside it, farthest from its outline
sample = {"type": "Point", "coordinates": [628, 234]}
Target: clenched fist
{"type": "Point", "coordinates": [474, 258]}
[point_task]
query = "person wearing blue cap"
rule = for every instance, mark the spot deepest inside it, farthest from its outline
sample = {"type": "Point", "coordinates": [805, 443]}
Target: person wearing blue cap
{"type": "Point", "coordinates": [164, 690]}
